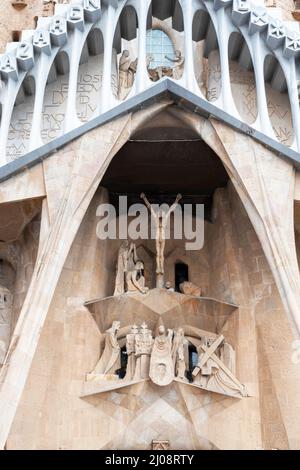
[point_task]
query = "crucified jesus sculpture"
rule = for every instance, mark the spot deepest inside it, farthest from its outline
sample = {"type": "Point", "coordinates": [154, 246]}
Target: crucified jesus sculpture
{"type": "Point", "coordinates": [161, 219]}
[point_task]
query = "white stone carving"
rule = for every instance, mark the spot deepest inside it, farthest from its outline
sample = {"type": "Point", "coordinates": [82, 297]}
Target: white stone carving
{"type": "Point", "coordinates": [165, 358]}
{"type": "Point", "coordinates": [127, 71]}
{"type": "Point", "coordinates": [129, 275]}
{"type": "Point", "coordinates": [135, 280]}
{"type": "Point", "coordinates": [127, 258]}
{"type": "Point", "coordinates": [143, 348]}
{"type": "Point", "coordinates": [130, 351]}
{"type": "Point", "coordinates": [264, 35]}
{"type": "Point", "coordinates": [109, 361]}
{"type": "Point", "coordinates": [161, 363]}
{"type": "Point", "coordinates": [212, 373]}
{"type": "Point", "coordinates": [180, 354]}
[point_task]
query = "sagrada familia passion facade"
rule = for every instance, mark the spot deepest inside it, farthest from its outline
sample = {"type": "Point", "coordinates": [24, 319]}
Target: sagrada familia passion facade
{"type": "Point", "coordinates": [149, 224]}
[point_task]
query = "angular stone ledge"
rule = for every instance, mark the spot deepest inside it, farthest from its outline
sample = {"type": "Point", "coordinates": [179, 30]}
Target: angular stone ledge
{"type": "Point", "coordinates": [95, 388]}
{"type": "Point", "coordinates": [172, 307]}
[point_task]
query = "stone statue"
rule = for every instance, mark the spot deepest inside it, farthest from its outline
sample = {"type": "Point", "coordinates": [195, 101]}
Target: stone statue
{"type": "Point", "coordinates": [211, 373]}
{"type": "Point", "coordinates": [131, 73]}
{"type": "Point", "coordinates": [161, 219]}
{"type": "Point", "coordinates": [161, 363]}
{"type": "Point", "coordinates": [135, 280]}
{"type": "Point", "coordinates": [180, 363]}
{"type": "Point", "coordinates": [5, 321]}
{"type": "Point", "coordinates": [49, 7]}
{"type": "Point", "coordinates": [127, 259]}
{"type": "Point", "coordinates": [130, 351]}
{"type": "Point", "coordinates": [188, 288]}
{"type": "Point", "coordinates": [109, 362]}
{"type": "Point", "coordinates": [207, 369]}
{"type": "Point", "coordinates": [227, 356]}
{"type": "Point", "coordinates": [162, 71]}
{"type": "Point", "coordinates": [19, 4]}
{"type": "Point", "coordinates": [169, 287]}
{"type": "Point", "coordinates": [179, 353]}
{"type": "Point", "coordinates": [177, 70]}
{"type": "Point", "coordinates": [143, 349]}
{"type": "Point", "coordinates": [127, 71]}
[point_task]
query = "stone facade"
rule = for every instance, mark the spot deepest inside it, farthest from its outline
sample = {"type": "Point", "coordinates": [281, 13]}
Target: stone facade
{"type": "Point", "coordinates": [58, 387]}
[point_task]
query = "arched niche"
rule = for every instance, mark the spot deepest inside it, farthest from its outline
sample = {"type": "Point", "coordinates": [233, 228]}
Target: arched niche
{"type": "Point", "coordinates": [242, 78]}
{"type": "Point", "coordinates": [207, 63]}
{"type": "Point", "coordinates": [165, 40]}
{"type": "Point", "coordinates": [125, 53]}
{"type": "Point", "coordinates": [279, 107]}
{"type": "Point", "coordinates": [55, 98]}
{"type": "Point", "coordinates": [168, 9]}
{"type": "Point", "coordinates": [90, 74]}
{"type": "Point", "coordinates": [21, 120]}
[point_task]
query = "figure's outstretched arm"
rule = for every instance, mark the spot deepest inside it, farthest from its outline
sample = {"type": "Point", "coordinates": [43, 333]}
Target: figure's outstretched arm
{"type": "Point", "coordinates": [143, 196]}
{"type": "Point", "coordinates": [170, 59]}
{"type": "Point", "coordinates": [173, 207]}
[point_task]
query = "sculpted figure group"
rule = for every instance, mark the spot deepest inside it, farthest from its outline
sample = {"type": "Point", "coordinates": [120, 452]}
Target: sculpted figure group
{"type": "Point", "coordinates": [166, 357]}
{"type": "Point", "coordinates": [129, 275]}
{"type": "Point", "coordinates": [128, 69]}
{"type": "Point", "coordinates": [161, 358]}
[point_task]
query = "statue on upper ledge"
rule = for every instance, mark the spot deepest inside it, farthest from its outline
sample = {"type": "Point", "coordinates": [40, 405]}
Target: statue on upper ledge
{"type": "Point", "coordinates": [127, 71]}
{"type": "Point", "coordinates": [172, 72]}
{"type": "Point", "coordinates": [135, 280]}
{"type": "Point", "coordinates": [143, 348]}
{"type": "Point", "coordinates": [129, 276]}
{"type": "Point", "coordinates": [188, 288]}
{"type": "Point", "coordinates": [127, 259]}
{"type": "Point", "coordinates": [161, 219]}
